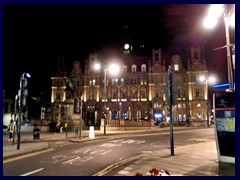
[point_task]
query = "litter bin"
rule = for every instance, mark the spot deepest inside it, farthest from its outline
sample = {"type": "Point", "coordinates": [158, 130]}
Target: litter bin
{"type": "Point", "coordinates": [36, 133]}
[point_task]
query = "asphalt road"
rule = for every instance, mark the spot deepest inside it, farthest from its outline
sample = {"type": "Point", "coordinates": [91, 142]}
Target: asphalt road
{"type": "Point", "coordinates": [88, 158]}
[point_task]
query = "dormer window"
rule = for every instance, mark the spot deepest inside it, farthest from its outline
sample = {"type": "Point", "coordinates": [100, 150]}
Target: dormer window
{"type": "Point", "coordinates": [176, 67]}
{"type": "Point", "coordinates": [143, 68]}
{"type": "Point", "coordinates": [134, 68]}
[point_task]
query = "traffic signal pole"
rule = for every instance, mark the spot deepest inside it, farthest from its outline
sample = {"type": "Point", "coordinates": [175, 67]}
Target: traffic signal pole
{"type": "Point", "coordinates": [170, 94]}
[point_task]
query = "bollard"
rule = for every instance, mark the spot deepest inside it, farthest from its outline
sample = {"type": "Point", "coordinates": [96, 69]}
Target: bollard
{"type": "Point", "coordinates": [91, 132]}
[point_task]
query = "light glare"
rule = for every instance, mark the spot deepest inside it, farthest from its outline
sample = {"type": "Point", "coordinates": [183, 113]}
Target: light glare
{"type": "Point", "coordinates": [97, 66]}
{"type": "Point", "coordinates": [232, 20]}
{"type": "Point", "coordinates": [114, 69]}
{"type": "Point", "coordinates": [210, 22]}
{"type": "Point", "coordinates": [216, 10]}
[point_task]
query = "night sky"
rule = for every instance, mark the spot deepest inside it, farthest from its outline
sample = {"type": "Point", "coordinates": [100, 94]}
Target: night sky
{"type": "Point", "coordinates": [35, 36]}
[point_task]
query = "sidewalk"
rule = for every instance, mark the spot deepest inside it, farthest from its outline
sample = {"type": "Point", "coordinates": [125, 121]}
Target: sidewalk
{"type": "Point", "coordinates": [199, 159]}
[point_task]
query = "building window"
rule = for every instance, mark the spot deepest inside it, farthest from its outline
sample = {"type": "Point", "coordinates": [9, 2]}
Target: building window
{"type": "Point", "coordinates": [179, 93]}
{"type": "Point", "coordinates": [124, 96]}
{"type": "Point", "coordinates": [122, 82]}
{"type": "Point", "coordinates": [114, 81]}
{"type": "Point", "coordinates": [91, 94]}
{"type": "Point", "coordinates": [94, 82]}
{"type": "Point", "coordinates": [134, 68]}
{"type": "Point", "coordinates": [133, 93]}
{"type": "Point", "coordinates": [157, 94]}
{"type": "Point", "coordinates": [143, 82]}
{"type": "Point", "coordinates": [143, 68]}
{"type": "Point", "coordinates": [179, 80]}
{"type": "Point", "coordinates": [197, 92]}
{"type": "Point", "coordinates": [114, 94]}
{"type": "Point", "coordinates": [184, 93]}
{"type": "Point", "coordinates": [143, 94]}
{"type": "Point", "coordinates": [176, 67]}
{"type": "Point", "coordinates": [134, 81]}
{"type": "Point", "coordinates": [124, 68]}
{"type": "Point", "coordinates": [194, 79]}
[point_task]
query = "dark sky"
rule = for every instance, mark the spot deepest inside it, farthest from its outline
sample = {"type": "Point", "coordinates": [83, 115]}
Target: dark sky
{"type": "Point", "coordinates": [36, 35]}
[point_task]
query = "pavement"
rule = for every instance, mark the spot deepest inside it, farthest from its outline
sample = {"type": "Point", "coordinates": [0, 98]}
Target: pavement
{"type": "Point", "coordinates": [198, 159]}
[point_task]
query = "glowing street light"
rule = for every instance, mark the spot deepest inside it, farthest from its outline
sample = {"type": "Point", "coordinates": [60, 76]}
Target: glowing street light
{"type": "Point", "coordinates": [215, 11]}
{"type": "Point", "coordinates": [113, 69]}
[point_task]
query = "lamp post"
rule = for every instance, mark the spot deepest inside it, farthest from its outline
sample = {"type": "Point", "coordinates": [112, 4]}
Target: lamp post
{"type": "Point", "coordinates": [22, 94]}
{"type": "Point", "coordinates": [81, 115]}
{"type": "Point", "coordinates": [113, 69]}
{"type": "Point", "coordinates": [210, 80]}
{"type": "Point", "coordinates": [120, 110]}
{"type": "Point", "coordinates": [105, 96]}
{"type": "Point", "coordinates": [214, 12]}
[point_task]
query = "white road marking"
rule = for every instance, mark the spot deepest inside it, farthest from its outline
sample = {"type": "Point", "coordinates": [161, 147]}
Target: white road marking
{"type": "Point", "coordinates": [110, 145]}
{"type": "Point", "coordinates": [32, 172]}
{"type": "Point", "coordinates": [128, 141]}
{"type": "Point", "coordinates": [71, 160]}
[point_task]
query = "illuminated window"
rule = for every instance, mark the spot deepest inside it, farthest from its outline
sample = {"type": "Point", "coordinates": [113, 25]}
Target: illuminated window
{"type": "Point", "coordinates": [134, 68]}
{"type": "Point", "coordinates": [122, 81]}
{"type": "Point", "coordinates": [133, 93]}
{"type": "Point", "coordinates": [176, 67]}
{"type": "Point", "coordinates": [143, 68]}
{"type": "Point", "coordinates": [143, 93]}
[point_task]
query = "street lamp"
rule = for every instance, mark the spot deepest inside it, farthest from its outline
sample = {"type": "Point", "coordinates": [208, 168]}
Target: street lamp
{"type": "Point", "coordinates": [113, 69]}
{"type": "Point", "coordinates": [216, 11]}
{"type": "Point", "coordinates": [22, 94]}
{"type": "Point", "coordinates": [208, 80]}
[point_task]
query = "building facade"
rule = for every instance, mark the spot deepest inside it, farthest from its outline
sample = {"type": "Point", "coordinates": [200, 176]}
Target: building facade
{"type": "Point", "coordinates": [136, 93]}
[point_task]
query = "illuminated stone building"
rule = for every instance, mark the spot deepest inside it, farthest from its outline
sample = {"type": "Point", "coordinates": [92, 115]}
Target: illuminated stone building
{"type": "Point", "coordinates": [136, 93]}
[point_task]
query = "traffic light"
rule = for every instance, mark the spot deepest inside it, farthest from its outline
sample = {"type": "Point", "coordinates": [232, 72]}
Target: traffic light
{"type": "Point", "coordinates": [23, 92]}
{"type": "Point", "coordinates": [171, 89]}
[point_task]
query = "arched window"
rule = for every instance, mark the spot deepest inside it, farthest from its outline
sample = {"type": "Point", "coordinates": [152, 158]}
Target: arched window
{"type": "Point", "coordinates": [143, 68]}
{"type": "Point", "coordinates": [143, 93]}
{"type": "Point", "coordinates": [134, 68]}
{"type": "Point", "coordinates": [133, 92]}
